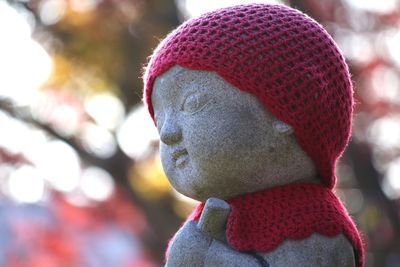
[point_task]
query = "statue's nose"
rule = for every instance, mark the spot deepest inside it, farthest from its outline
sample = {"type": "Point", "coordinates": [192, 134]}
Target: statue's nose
{"type": "Point", "coordinates": [171, 132]}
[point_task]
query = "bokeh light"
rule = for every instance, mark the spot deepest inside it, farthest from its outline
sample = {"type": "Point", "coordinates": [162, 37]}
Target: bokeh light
{"type": "Point", "coordinates": [374, 6]}
{"type": "Point", "coordinates": [98, 140]}
{"type": "Point", "coordinates": [24, 64]}
{"type": "Point", "coordinates": [26, 185]}
{"type": "Point", "coordinates": [106, 109]}
{"type": "Point", "coordinates": [52, 11]}
{"type": "Point", "coordinates": [194, 8]}
{"type": "Point", "coordinates": [96, 183]}
{"type": "Point", "coordinates": [393, 44]}
{"type": "Point", "coordinates": [391, 181]}
{"type": "Point", "coordinates": [137, 133]}
{"type": "Point", "coordinates": [60, 165]}
{"type": "Point", "coordinates": [385, 132]}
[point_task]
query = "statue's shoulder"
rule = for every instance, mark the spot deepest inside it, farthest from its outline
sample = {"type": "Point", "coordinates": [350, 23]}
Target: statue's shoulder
{"type": "Point", "coordinates": [316, 250]}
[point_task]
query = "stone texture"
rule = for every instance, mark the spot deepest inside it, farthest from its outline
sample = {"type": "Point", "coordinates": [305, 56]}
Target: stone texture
{"type": "Point", "coordinates": [213, 218]}
{"type": "Point", "coordinates": [189, 248]}
{"type": "Point", "coordinates": [218, 141]}
{"type": "Point", "coordinates": [221, 255]}
{"type": "Point", "coordinates": [314, 251]}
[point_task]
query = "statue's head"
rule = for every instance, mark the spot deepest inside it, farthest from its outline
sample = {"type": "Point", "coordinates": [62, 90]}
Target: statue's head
{"type": "Point", "coordinates": [246, 98]}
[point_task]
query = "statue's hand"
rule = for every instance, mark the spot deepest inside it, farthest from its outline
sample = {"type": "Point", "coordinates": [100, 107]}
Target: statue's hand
{"type": "Point", "coordinates": [203, 244]}
{"type": "Point", "coordinates": [213, 218]}
{"type": "Point", "coordinates": [189, 247]}
{"type": "Point", "coordinates": [193, 240]}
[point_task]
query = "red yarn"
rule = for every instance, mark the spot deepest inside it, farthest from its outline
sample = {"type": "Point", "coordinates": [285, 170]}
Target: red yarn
{"type": "Point", "coordinates": [281, 56]}
{"type": "Point", "coordinates": [294, 211]}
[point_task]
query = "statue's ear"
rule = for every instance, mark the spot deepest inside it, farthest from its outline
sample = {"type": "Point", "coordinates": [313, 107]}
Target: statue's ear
{"type": "Point", "coordinates": [282, 128]}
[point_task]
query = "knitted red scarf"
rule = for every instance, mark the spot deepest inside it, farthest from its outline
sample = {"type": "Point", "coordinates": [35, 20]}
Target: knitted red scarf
{"type": "Point", "coordinates": [293, 211]}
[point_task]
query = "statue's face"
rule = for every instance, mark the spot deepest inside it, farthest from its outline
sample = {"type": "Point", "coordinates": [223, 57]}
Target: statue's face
{"type": "Point", "coordinates": [216, 141]}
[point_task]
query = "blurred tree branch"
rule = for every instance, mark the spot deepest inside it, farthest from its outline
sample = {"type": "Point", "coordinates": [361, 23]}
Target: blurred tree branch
{"type": "Point", "coordinates": [123, 41]}
{"type": "Point", "coordinates": [118, 165]}
{"type": "Point", "coordinates": [369, 181]}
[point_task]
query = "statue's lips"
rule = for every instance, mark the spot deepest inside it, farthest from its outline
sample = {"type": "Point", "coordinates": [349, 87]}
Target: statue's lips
{"type": "Point", "coordinates": [180, 157]}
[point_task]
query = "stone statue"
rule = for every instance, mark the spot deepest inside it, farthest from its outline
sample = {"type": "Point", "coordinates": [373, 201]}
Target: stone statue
{"type": "Point", "coordinates": [253, 104]}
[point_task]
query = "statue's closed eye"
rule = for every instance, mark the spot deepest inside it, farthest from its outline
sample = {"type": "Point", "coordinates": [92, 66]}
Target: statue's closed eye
{"type": "Point", "coordinates": [194, 102]}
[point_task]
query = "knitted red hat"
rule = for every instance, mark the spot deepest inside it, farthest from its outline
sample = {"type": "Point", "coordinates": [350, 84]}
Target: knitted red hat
{"type": "Point", "coordinates": [280, 55]}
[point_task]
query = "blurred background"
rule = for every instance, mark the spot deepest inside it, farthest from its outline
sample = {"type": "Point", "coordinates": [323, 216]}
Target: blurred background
{"type": "Point", "coordinates": [81, 183]}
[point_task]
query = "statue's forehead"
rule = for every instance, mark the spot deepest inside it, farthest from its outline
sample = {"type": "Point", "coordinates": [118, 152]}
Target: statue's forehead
{"type": "Point", "coordinates": [173, 72]}
{"type": "Point", "coordinates": [168, 85]}
{"type": "Point", "coordinates": [178, 80]}
{"type": "Point", "coordinates": [173, 77]}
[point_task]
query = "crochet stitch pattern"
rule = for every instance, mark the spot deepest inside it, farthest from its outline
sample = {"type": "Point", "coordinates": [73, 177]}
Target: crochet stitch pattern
{"type": "Point", "coordinates": [294, 212]}
{"type": "Point", "coordinates": [280, 55]}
